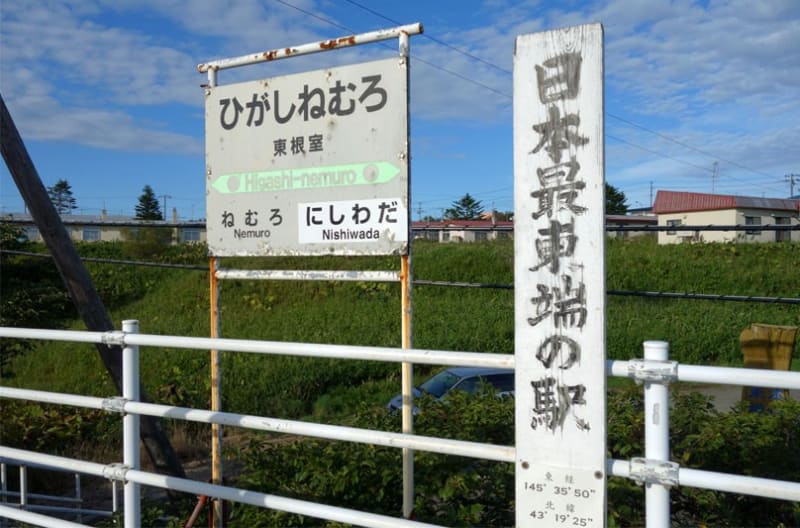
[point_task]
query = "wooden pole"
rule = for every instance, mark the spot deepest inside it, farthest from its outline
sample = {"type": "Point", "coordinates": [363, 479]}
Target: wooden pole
{"type": "Point", "coordinates": [407, 383]}
{"type": "Point", "coordinates": [216, 393]}
{"type": "Point", "coordinates": [77, 280]}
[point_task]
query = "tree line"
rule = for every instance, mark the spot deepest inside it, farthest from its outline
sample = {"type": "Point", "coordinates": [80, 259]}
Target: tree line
{"type": "Point", "coordinates": [147, 207]}
{"type": "Point", "coordinates": [468, 208]}
{"type": "Point", "coordinates": [465, 208]}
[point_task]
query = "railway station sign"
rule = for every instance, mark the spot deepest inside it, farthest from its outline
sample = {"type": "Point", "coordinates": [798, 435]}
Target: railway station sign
{"type": "Point", "coordinates": [559, 276]}
{"type": "Point", "coordinates": [314, 163]}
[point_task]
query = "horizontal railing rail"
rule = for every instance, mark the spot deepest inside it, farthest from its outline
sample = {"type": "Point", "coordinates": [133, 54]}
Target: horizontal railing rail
{"type": "Point", "coordinates": [44, 502]}
{"type": "Point", "coordinates": [120, 472]}
{"type": "Point", "coordinates": [656, 472]}
{"type": "Point", "coordinates": [429, 357]}
{"type": "Point", "coordinates": [275, 425]}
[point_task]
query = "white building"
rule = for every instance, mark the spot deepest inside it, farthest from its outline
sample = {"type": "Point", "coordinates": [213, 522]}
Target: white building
{"type": "Point", "coordinates": [106, 228]}
{"type": "Point", "coordinates": [677, 209]}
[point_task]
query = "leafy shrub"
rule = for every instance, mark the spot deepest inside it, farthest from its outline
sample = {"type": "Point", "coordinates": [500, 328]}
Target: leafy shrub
{"type": "Point", "coordinates": [455, 491]}
{"type": "Point", "coordinates": [146, 242]}
{"type": "Point", "coordinates": [56, 429]}
{"type": "Point", "coordinates": [33, 293]}
{"type": "Point", "coordinates": [450, 490]}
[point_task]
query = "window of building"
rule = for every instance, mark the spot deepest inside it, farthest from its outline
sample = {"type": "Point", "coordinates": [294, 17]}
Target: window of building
{"type": "Point", "coordinates": [481, 235]}
{"type": "Point", "coordinates": [432, 235]}
{"type": "Point", "coordinates": [91, 234]}
{"type": "Point", "coordinates": [783, 236]}
{"type": "Point", "coordinates": [673, 223]}
{"type": "Point", "coordinates": [752, 221]}
{"type": "Point", "coordinates": [190, 235]}
{"type": "Point", "coordinates": [445, 236]}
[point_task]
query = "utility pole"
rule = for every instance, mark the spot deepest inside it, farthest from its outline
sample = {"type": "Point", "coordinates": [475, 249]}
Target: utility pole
{"type": "Point", "coordinates": [791, 178]}
{"type": "Point", "coordinates": [714, 175]}
{"type": "Point", "coordinates": [77, 280]}
{"type": "Point", "coordinates": [165, 196]}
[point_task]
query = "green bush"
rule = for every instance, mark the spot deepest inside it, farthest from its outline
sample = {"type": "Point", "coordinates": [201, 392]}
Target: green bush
{"type": "Point", "coordinates": [450, 490]}
{"type": "Point", "coordinates": [57, 430]}
{"type": "Point", "coordinates": [455, 491]}
{"type": "Point", "coordinates": [737, 442]}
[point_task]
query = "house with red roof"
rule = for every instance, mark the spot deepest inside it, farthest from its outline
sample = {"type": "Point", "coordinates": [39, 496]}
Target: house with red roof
{"type": "Point", "coordinates": [677, 209]}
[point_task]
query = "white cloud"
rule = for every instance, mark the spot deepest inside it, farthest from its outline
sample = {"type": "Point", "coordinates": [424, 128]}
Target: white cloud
{"type": "Point", "coordinates": [700, 67]}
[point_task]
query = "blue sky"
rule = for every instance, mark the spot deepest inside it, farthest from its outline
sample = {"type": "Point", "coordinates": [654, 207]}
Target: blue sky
{"type": "Point", "coordinates": [106, 93]}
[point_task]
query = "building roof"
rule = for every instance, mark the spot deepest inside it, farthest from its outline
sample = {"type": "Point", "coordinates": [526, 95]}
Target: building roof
{"type": "Point", "coordinates": [100, 220]}
{"type": "Point", "coordinates": [681, 202]}
{"type": "Point", "coordinates": [631, 219]}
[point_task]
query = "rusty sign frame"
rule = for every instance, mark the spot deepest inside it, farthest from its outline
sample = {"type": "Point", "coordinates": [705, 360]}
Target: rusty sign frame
{"type": "Point", "coordinates": [316, 193]}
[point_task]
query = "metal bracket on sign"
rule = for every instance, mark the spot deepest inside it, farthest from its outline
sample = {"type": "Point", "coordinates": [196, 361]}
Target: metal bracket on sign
{"type": "Point", "coordinates": [650, 370]}
{"type": "Point", "coordinates": [115, 404]}
{"type": "Point", "coordinates": [115, 471]}
{"type": "Point", "coordinates": [649, 471]}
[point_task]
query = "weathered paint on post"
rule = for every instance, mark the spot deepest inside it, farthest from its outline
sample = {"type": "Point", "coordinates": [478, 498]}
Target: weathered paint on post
{"type": "Point", "coordinates": [560, 278]}
{"type": "Point", "coordinates": [216, 388]}
{"type": "Point", "coordinates": [312, 47]}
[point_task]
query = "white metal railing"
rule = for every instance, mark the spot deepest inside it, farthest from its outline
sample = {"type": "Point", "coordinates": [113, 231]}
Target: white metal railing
{"type": "Point", "coordinates": [654, 470]}
{"type": "Point", "coordinates": [73, 505]}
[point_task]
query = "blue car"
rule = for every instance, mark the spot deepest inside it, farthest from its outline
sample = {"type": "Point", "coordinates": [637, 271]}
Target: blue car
{"type": "Point", "coordinates": [467, 379]}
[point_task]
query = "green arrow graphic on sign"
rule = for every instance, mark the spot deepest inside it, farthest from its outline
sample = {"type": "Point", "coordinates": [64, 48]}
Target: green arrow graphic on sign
{"type": "Point", "coordinates": [308, 178]}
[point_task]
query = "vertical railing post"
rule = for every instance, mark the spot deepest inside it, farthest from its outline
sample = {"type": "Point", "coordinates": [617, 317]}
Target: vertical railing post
{"type": "Point", "coordinates": [23, 487]}
{"type": "Point", "coordinates": [656, 436]}
{"type": "Point", "coordinates": [130, 426]}
{"type": "Point", "coordinates": [78, 498]}
{"type": "Point", "coordinates": [3, 490]}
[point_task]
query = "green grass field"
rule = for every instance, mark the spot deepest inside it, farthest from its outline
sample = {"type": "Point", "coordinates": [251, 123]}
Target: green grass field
{"type": "Point", "coordinates": [176, 302]}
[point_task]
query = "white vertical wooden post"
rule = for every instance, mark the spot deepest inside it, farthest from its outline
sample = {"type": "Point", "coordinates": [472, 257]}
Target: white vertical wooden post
{"type": "Point", "coordinates": [130, 426]}
{"type": "Point", "coordinates": [656, 437]}
{"type": "Point", "coordinates": [559, 275]}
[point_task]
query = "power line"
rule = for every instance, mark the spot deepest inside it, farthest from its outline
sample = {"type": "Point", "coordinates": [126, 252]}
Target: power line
{"type": "Point", "coordinates": [422, 282]}
{"type": "Point", "coordinates": [314, 15]}
{"type": "Point", "coordinates": [686, 145]}
{"type": "Point", "coordinates": [416, 59]}
{"type": "Point", "coordinates": [658, 153]}
{"type": "Point", "coordinates": [434, 39]}
{"type": "Point", "coordinates": [508, 96]}
{"type": "Point", "coordinates": [509, 72]}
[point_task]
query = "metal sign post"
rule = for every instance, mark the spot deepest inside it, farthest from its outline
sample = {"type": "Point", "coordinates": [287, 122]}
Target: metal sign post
{"type": "Point", "coordinates": [560, 278]}
{"type": "Point", "coordinates": [216, 390]}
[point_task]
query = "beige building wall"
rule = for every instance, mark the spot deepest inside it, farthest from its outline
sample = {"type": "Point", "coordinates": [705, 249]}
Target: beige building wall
{"type": "Point", "coordinates": [726, 217]}
{"type": "Point", "coordinates": [105, 233]}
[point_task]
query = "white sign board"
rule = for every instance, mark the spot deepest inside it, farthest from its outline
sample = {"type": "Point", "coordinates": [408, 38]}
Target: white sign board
{"type": "Point", "coordinates": [309, 164]}
{"type": "Point", "coordinates": [560, 278]}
